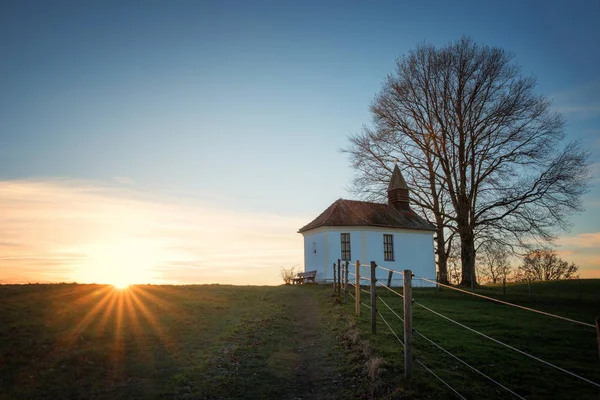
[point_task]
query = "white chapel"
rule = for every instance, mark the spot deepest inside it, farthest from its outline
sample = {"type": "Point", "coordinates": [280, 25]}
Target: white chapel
{"type": "Point", "coordinates": [391, 234]}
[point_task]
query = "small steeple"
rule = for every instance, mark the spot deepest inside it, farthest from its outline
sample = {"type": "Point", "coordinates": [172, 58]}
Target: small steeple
{"type": "Point", "coordinates": [398, 191]}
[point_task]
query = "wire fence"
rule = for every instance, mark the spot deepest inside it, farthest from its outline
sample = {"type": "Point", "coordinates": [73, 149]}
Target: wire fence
{"type": "Point", "coordinates": [508, 303]}
{"type": "Point", "coordinates": [407, 341]}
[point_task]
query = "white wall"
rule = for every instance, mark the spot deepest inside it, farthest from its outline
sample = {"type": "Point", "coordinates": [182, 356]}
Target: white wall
{"type": "Point", "coordinates": [412, 250]}
{"type": "Point", "coordinates": [315, 249]}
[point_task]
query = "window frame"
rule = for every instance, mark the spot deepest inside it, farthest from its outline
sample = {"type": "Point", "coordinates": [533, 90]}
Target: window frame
{"type": "Point", "coordinates": [388, 247]}
{"type": "Point", "coordinates": [346, 253]}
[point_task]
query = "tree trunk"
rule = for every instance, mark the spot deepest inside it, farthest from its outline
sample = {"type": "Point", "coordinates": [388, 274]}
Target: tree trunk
{"type": "Point", "coordinates": [467, 258]}
{"type": "Point", "coordinates": [442, 258]}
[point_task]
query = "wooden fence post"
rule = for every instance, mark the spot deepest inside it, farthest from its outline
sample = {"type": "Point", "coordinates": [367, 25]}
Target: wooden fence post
{"type": "Point", "coordinates": [357, 288]}
{"type": "Point", "coordinates": [373, 297]}
{"type": "Point", "coordinates": [334, 278]}
{"type": "Point", "coordinates": [339, 276]}
{"type": "Point", "coordinates": [390, 278]}
{"type": "Point", "coordinates": [346, 283]}
{"type": "Point", "coordinates": [408, 333]}
{"type": "Point", "coordinates": [339, 281]}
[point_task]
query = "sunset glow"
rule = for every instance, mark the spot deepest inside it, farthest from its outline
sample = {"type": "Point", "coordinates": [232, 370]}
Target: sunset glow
{"type": "Point", "coordinates": [62, 231]}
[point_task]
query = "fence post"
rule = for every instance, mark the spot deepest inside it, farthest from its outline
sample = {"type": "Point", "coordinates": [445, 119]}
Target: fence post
{"type": "Point", "coordinates": [390, 278]}
{"type": "Point", "coordinates": [408, 330]}
{"type": "Point", "coordinates": [333, 278]}
{"type": "Point", "coordinates": [357, 288]}
{"type": "Point", "coordinates": [346, 283]}
{"type": "Point", "coordinates": [373, 297]}
{"type": "Point", "coordinates": [339, 281]}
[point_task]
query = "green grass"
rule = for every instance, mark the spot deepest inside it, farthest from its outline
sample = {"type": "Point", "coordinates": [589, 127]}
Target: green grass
{"type": "Point", "coordinates": [286, 342]}
{"type": "Point", "coordinates": [570, 346]}
{"type": "Point", "coordinates": [175, 342]}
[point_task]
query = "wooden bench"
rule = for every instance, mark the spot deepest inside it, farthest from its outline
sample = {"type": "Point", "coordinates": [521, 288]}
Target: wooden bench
{"type": "Point", "coordinates": [304, 277]}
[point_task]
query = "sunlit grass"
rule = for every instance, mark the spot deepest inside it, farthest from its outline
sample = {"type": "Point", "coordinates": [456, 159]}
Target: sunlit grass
{"type": "Point", "coordinates": [144, 341]}
{"type": "Point", "coordinates": [98, 341]}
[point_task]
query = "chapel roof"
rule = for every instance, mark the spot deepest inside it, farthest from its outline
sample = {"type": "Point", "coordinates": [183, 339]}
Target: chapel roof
{"type": "Point", "coordinates": [362, 213]}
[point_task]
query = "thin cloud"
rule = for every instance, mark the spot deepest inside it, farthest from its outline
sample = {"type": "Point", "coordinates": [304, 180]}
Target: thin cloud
{"type": "Point", "coordinates": [583, 240]}
{"type": "Point", "coordinates": [587, 109]}
{"type": "Point", "coordinates": [62, 230]}
{"type": "Point", "coordinates": [581, 101]}
{"type": "Point", "coordinates": [583, 250]}
{"type": "Point", "coordinates": [124, 180]}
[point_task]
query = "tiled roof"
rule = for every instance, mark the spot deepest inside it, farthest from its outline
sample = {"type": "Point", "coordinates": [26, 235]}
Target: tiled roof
{"type": "Point", "coordinates": [361, 213]}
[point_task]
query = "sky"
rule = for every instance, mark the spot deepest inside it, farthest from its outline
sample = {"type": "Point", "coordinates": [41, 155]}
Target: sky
{"type": "Point", "coordinates": [188, 141]}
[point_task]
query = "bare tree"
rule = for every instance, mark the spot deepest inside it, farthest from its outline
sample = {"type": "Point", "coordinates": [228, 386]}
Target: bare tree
{"type": "Point", "coordinates": [546, 265]}
{"type": "Point", "coordinates": [370, 154]}
{"type": "Point", "coordinates": [476, 137]}
{"type": "Point", "coordinates": [493, 262]}
{"type": "Point", "coordinates": [287, 274]}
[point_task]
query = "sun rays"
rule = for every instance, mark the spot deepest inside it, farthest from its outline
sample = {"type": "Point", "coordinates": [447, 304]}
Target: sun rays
{"type": "Point", "coordinates": [121, 316]}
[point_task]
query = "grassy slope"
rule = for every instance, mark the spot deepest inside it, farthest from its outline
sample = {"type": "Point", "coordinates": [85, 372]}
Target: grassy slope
{"type": "Point", "coordinates": [90, 341]}
{"type": "Point", "coordinates": [567, 345]}
{"type": "Point", "coordinates": [87, 341]}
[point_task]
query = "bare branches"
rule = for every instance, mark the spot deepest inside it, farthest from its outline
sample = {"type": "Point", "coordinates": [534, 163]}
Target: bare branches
{"type": "Point", "coordinates": [482, 151]}
{"type": "Point", "coordinates": [545, 265]}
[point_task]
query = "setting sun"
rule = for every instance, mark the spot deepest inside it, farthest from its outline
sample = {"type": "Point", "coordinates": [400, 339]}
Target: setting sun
{"type": "Point", "coordinates": [121, 285]}
{"type": "Point", "coordinates": [119, 263]}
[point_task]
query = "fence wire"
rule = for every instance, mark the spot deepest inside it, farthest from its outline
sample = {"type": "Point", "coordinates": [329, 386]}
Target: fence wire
{"type": "Point", "coordinates": [440, 379]}
{"type": "Point", "coordinates": [390, 289]}
{"type": "Point", "coordinates": [468, 328]}
{"type": "Point", "coordinates": [468, 365]}
{"type": "Point", "coordinates": [390, 308]}
{"type": "Point", "coordinates": [509, 304]}
{"type": "Point", "coordinates": [509, 346]}
{"type": "Point", "coordinates": [392, 330]}
{"type": "Point", "coordinates": [392, 270]}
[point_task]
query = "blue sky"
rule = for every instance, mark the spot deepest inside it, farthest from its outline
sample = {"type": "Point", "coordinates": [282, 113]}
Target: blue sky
{"type": "Point", "coordinates": [241, 107]}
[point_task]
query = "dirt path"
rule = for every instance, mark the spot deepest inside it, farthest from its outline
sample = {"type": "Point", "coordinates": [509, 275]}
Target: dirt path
{"type": "Point", "coordinates": [317, 374]}
{"type": "Point", "coordinates": [285, 348]}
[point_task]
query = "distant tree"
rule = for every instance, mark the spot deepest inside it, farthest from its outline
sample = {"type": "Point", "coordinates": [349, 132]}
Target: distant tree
{"type": "Point", "coordinates": [493, 262]}
{"type": "Point", "coordinates": [484, 152]}
{"type": "Point", "coordinates": [546, 265]}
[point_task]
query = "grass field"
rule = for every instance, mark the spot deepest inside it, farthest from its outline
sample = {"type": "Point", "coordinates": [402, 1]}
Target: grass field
{"type": "Point", "coordinates": [178, 342]}
{"type": "Point", "coordinates": [287, 342]}
{"type": "Point", "coordinates": [567, 345]}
